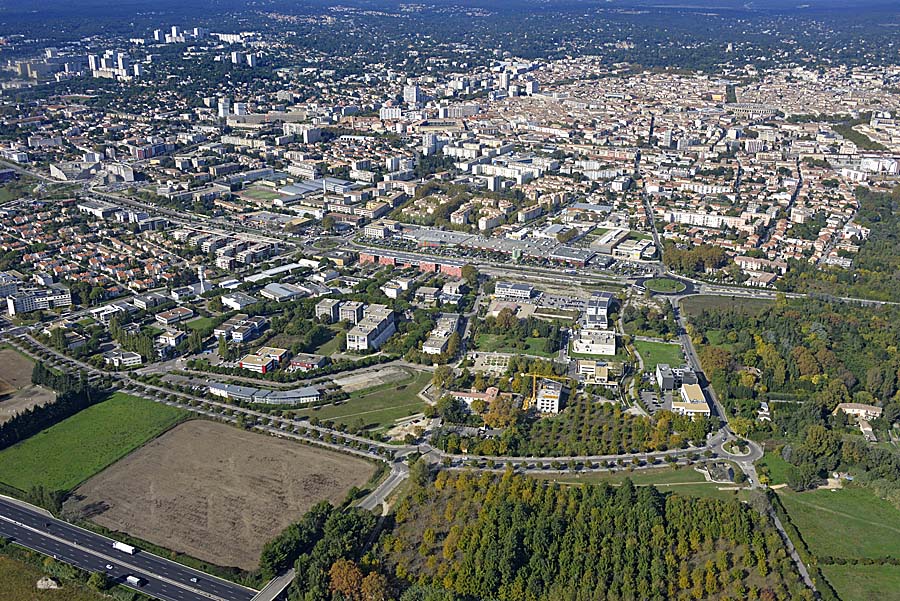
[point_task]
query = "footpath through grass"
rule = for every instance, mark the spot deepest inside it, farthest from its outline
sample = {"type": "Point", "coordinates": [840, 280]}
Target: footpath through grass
{"type": "Point", "coordinates": [848, 526]}
{"type": "Point", "coordinates": [68, 453]}
{"type": "Point", "coordinates": [849, 522]}
{"type": "Point", "coordinates": [684, 481]}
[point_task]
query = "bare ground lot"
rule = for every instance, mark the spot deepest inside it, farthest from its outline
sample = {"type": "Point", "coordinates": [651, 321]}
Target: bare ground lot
{"type": "Point", "coordinates": [17, 393]}
{"type": "Point", "coordinates": [215, 492]}
{"type": "Point", "coordinates": [376, 376]}
{"type": "Point", "coordinates": [24, 399]}
{"type": "Point", "coordinates": [15, 370]}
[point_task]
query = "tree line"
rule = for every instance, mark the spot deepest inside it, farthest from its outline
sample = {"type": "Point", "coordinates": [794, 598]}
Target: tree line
{"type": "Point", "coordinates": [469, 537]}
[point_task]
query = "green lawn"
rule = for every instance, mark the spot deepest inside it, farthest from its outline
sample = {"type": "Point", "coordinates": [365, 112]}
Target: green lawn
{"type": "Point", "coordinates": [694, 305]}
{"type": "Point", "coordinates": [16, 189]}
{"type": "Point", "coordinates": [864, 582]}
{"type": "Point", "coordinates": [774, 466]}
{"type": "Point", "coordinates": [665, 285]}
{"type": "Point", "coordinates": [202, 323]}
{"type": "Point", "coordinates": [379, 407]}
{"type": "Point", "coordinates": [659, 352]}
{"type": "Point", "coordinates": [683, 481]}
{"type": "Point", "coordinates": [850, 522]}
{"type": "Point", "coordinates": [496, 343]}
{"type": "Point", "coordinates": [68, 453]}
{"type": "Point", "coordinates": [331, 346]}
{"type": "Point", "coordinates": [260, 193]}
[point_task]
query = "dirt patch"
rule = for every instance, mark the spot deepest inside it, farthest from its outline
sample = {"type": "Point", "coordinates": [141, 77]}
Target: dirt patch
{"type": "Point", "coordinates": [22, 400]}
{"type": "Point", "coordinates": [215, 492]}
{"type": "Point", "coordinates": [15, 370]}
{"type": "Point", "coordinates": [374, 377]}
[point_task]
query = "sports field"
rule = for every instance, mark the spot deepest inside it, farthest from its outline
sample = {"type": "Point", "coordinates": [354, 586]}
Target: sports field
{"type": "Point", "coordinates": [70, 452]}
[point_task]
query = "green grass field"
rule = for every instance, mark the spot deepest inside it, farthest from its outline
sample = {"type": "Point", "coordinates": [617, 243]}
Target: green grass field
{"type": "Point", "coordinates": [774, 466]}
{"type": "Point", "coordinates": [861, 582]}
{"type": "Point", "coordinates": [260, 193]}
{"type": "Point", "coordinates": [201, 323]}
{"type": "Point", "coordinates": [850, 522]}
{"type": "Point", "coordinates": [683, 481]}
{"type": "Point", "coordinates": [17, 581]}
{"type": "Point", "coordinates": [379, 407]}
{"type": "Point", "coordinates": [659, 352]}
{"type": "Point", "coordinates": [664, 285]}
{"type": "Point", "coordinates": [693, 305]}
{"type": "Point", "coordinates": [68, 453]}
{"type": "Point", "coordinates": [331, 346]}
{"type": "Point", "coordinates": [496, 343]}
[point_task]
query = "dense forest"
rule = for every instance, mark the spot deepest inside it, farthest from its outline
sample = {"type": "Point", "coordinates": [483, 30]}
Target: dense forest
{"type": "Point", "coordinates": [694, 260]}
{"type": "Point", "coordinates": [805, 356]}
{"type": "Point", "coordinates": [468, 537]}
{"type": "Point", "coordinates": [802, 349]}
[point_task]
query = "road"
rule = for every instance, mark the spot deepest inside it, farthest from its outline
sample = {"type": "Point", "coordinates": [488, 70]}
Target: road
{"type": "Point", "coordinates": [399, 473]}
{"type": "Point", "coordinates": [165, 579]}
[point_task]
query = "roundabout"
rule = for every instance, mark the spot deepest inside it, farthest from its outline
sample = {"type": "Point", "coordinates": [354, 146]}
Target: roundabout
{"type": "Point", "coordinates": [664, 285]}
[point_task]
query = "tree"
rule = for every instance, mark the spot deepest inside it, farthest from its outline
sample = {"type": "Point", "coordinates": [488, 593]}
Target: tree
{"type": "Point", "coordinates": [470, 275]}
{"type": "Point", "coordinates": [452, 410]}
{"type": "Point", "coordinates": [375, 588]}
{"type": "Point", "coordinates": [346, 579]}
{"type": "Point", "coordinates": [328, 222]}
{"type": "Point", "coordinates": [420, 472]}
{"type": "Point", "coordinates": [99, 581]}
{"type": "Point", "coordinates": [442, 376]}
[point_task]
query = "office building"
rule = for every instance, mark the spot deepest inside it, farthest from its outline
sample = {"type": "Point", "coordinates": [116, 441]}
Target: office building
{"type": "Point", "coordinates": [549, 397]}
{"type": "Point", "coordinates": [26, 301]}
{"type": "Point", "coordinates": [691, 402]}
{"type": "Point", "coordinates": [513, 291]}
{"type": "Point", "coordinates": [589, 341]}
{"type": "Point", "coordinates": [373, 330]}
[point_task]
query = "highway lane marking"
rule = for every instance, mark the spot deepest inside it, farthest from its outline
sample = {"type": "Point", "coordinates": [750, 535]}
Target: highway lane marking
{"type": "Point", "coordinates": [161, 563]}
{"type": "Point", "coordinates": [88, 551]}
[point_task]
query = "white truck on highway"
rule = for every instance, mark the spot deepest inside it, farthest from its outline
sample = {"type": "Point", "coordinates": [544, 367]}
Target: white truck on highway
{"type": "Point", "coordinates": [134, 580]}
{"type": "Point", "coordinates": [124, 548]}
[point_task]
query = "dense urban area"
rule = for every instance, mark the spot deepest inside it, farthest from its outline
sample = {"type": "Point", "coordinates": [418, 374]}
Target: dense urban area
{"type": "Point", "coordinates": [512, 301]}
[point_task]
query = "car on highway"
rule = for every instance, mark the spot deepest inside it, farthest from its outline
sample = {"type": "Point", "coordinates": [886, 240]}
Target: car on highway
{"type": "Point", "coordinates": [193, 579]}
{"type": "Point", "coordinates": [110, 566]}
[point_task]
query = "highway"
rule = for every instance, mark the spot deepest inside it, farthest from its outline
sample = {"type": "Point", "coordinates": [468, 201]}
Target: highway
{"type": "Point", "coordinates": [165, 579]}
